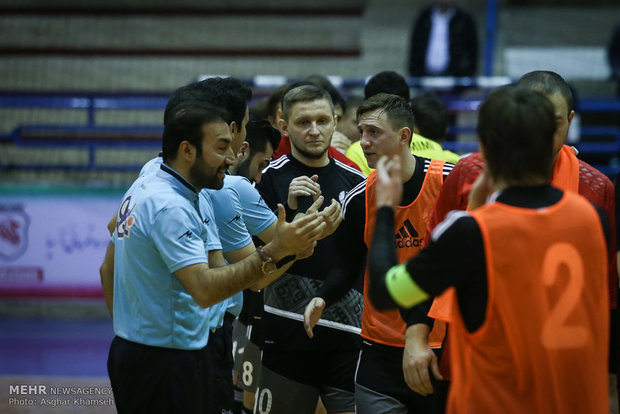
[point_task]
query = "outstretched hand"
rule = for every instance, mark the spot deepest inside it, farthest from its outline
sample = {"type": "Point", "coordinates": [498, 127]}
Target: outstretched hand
{"type": "Point", "coordinates": [312, 314]}
{"type": "Point", "coordinates": [332, 216]}
{"type": "Point", "coordinates": [299, 236]}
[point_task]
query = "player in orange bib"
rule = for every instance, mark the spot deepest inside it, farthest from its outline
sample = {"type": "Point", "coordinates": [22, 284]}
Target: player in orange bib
{"type": "Point", "coordinates": [530, 325]}
{"type": "Point", "coordinates": [569, 174]}
{"type": "Point", "coordinates": [385, 369]}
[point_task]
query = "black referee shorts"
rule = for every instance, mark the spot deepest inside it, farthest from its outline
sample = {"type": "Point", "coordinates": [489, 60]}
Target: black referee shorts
{"type": "Point", "coordinates": [220, 384]}
{"type": "Point", "coordinates": [148, 379]}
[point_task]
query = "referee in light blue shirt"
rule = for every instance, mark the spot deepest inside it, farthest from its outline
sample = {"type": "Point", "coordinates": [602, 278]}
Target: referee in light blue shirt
{"type": "Point", "coordinates": [162, 282]}
{"type": "Point", "coordinates": [160, 329]}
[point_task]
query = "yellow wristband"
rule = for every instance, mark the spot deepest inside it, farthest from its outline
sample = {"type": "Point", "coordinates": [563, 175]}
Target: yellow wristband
{"type": "Point", "coordinates": [405, 292]}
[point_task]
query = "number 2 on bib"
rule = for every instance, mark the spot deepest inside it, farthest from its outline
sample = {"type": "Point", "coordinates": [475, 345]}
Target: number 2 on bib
{"type": "Point", "coordinates": [557, 333]}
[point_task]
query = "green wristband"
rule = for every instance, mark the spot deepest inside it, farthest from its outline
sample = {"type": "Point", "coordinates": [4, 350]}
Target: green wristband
{"type": "Point", "coordinates": [405, 292]}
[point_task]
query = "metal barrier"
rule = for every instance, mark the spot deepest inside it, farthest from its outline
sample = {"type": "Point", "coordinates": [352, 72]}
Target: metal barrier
{"type": "Point", "coordinates": [93, 136]}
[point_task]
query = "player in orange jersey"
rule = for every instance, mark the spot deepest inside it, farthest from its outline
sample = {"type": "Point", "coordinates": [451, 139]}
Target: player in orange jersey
{"type": "Point", "coordinates": [529, 323]}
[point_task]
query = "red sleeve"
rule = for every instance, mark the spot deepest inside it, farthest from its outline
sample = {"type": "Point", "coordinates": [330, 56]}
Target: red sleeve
{"type": "Point", "coordinates": [283, 149]}
{"type": "Point", "coordinates": [598, 189]}
{"type": "Point", "coordinates": [337, 155]}
{"type": "Point", "coordinates": [613, 267]}
{"type": "Point", "coordinates": [454, 193]}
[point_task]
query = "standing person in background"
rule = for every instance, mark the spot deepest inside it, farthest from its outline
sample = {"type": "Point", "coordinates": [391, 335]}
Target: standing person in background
{"type": "Point", "coordinates": [530, 327]}
{"type": "Point", "coordinates": [431, 121]}
{"type": "Point", "coordinates": [613, 56]}
{"type": "Point", "coordinates": [393, 83]}
{"type": "Point", "coordinates": [347, 125]}
{"type": "Point", "coordinates": [340, 105]}
{"type": "Point", "coordinates": [444, 42]}
{"type": "Point", "coordinates": [387, 81]}
{"type": "Point", "coordinates": [274, 105]}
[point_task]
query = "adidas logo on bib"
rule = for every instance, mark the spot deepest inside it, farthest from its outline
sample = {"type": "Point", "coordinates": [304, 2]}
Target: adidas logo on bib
{"type": "Point", "coordinates": [407, 236]}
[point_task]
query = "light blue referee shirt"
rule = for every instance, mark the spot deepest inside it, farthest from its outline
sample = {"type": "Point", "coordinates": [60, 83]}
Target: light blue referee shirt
{"type": "Point", "coordinates": [153, 166]}
{"type": "Point", "coordinates": [159, 230]}
{"type": "Point", "coordinates": [257, 216]}
{"type": "Point", "coordinates": [240, 213]}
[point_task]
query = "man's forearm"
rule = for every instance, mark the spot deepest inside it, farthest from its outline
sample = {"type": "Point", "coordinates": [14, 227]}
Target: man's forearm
{"type": "Point", "coordinates": [381, 257]}
{"type": "Point", "coordinates": [266, 280]}
{"type": "Point", "coordinates": [209, 286]}
{"type": "Point", "coordinates": [338, 283]}
{"type": "Point", "coordinates": [106, 272]}
{"type": "Point", "coordinates": [417, 334]}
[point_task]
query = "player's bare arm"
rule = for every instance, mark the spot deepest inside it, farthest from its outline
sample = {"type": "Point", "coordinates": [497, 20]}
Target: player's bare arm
{"type": "Point", "coordinates": [419, 360]}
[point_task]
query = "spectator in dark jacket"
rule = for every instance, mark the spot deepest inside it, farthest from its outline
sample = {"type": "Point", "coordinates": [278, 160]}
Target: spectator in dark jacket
{"type": "Point", "coordinates": [613, 54]}
{"type": "Point", "coordinates": [444, 42]}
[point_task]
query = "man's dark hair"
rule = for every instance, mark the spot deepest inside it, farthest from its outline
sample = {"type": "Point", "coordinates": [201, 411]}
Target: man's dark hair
{"type": "Point", "coordinates": [431, 118]}
{"type": "Point", "coordinates": [354, 101]}
{"type": "Point", "coordinates": [548, 83]}
{"type": "Point", "coordinates": [259, 108]}
{"type": "Point", "coordinates": [186, 124]}
{"type": "Point", "coordinates": [229, 93]}
{"type": "Point", "coordinates": [304, 93]}
{"type": "Point", "coordinates": [325, 83]}
{"type": "Point", "coordinates": [275, 99]}
{"type": "Point", "coordinates": [260, 132]}
{"type": "Point", "coordinates": [396, 108]}
{"type": "Point", "coordinates": [516, 127]}
{"type": "Point", "coordinates": [387, 82]}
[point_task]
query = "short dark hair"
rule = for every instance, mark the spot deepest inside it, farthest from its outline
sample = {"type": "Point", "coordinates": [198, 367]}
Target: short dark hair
{"type": "Point", "coordinates": [353, 101]}
{"type": "Point", "coordinates": [275, 99]}
{"type": "Point", "coordinates": [516, 127]}
{"type": "Point", "coordinates": [548, 83]}
{"type": "Point", "coordinates": [259, 108]}
{"type": "Point", "coordinates": [186, 124]}
{"type": "Point", "coordinates": [396, 108]}
{"type": "Point", "coordinates": [326, 84]}
{"type": "Point", "coordinates": [387, 82]}
{"type": "Point", "coordinates": [304, 93]}
{"type": "Point", "coordinates": [431, 118]}
{"type": "Point", "coordinates": [229, 93]}
{"type": "Point", "coordinates": [260, 132]}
